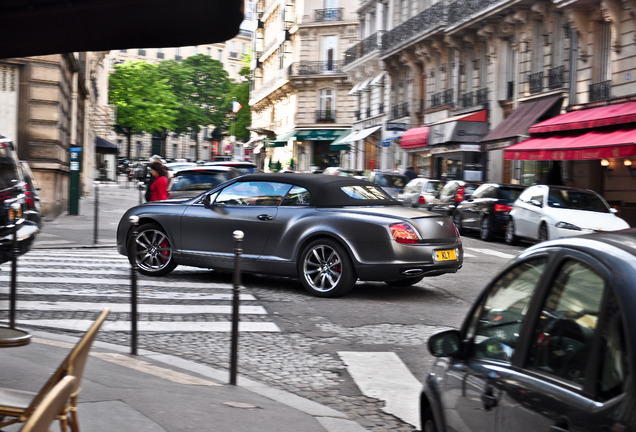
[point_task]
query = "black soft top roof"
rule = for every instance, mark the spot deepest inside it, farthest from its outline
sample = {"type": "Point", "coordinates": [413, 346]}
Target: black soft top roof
{"type": "Point", "coordinates": [325, 190]}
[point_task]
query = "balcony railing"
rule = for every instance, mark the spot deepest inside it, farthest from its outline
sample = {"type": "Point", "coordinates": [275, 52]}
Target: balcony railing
{"type": "Point", "coordinates": [482, 96]}
{"type": "Point", "coordinates": [464, 9]}
{"type": "Point", "coordinates": [555, 77]}
{"type": "Point", "coordinates": [599, 91]}
{"type": "Point", "coordinates": [466, 100]}
{"type": "Point", "coordinates": [364, 47]}
{"type": "Point", "coordinates": [448, 96]}
{"type": "Point", "coordinates": [536, 82]}
{"type": "Point", "coordinates": [331, 14]}
{"type": "Point", "coordinates": [325, 116]}
{"type": "Point", "coordinates": [422, 23]}
{"type": "Point", "coordinates": [400, 110]}
{"type": "Point", "coordinates": [436, 100]}
{"type": "Point", "coordinates": [316, 67]}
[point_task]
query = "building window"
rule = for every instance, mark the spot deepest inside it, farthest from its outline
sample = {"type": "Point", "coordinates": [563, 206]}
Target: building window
{"type": "Point", "coordinates": [177, 54]}
{"type": "Point", "coordinates": [573, 60]}
{"type": "Point", "coordinates": [219, 55]}
{"type": "Point", "coordinates": [160, 54]}
{"type": "Point", "coordinates": [141, 52]}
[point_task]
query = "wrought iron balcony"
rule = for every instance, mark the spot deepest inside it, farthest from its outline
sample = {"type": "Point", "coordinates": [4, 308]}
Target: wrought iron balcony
{"type": "Point", "coordinates": [448, 96]}
{"type": "Point", "coordinates": [316, 67]}
{"type": "Point", "coordinates": [461, 10]}
{"type": "Point", "coordinates": [400, 110]}
{"type": "Point", "coordinates": [436, 100]}
{"type": "Point", "coordinates": [331, 14]}
{"type": "Point", "coordinates": [482, 96]}
{"type": "Point", "coordinates": [466, 100]}
{"type": "Point", "coordinates": [364, 47]}
{"type": "Point", "coordinates": [555, 77]}
{"type": "Point", "coordinates": [325, 116]}
{"type": "Point", "coordinates": [536, 82]}
{"type": "Point", "coordinates": [599, 91]}
{"type": "Point", "coordinates": [422, 23]}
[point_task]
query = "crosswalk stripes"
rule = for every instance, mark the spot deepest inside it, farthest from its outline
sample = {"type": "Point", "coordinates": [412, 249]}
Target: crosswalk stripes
{"type": "Point", "coordinates": [64, 282]}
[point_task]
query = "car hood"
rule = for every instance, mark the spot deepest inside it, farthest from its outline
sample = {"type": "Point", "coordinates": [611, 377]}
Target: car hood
{"type": "Point", "coordinates": [587, 219]}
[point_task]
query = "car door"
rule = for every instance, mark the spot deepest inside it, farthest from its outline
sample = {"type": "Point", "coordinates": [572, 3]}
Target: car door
{"type": "Point", "coordinates": [528, 210]}
{"type": "Point", "coordinates": [252, 207]}
{"type": "Point", "coordinates": [471, 207]}
{"type": "Point", "coordinates": [472, 385]}
{"type": "Point", "coordinates": [572, 371]}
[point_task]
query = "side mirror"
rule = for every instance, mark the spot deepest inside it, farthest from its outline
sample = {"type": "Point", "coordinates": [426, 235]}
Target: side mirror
{"type": "Point", "coordinates": [447, 343]}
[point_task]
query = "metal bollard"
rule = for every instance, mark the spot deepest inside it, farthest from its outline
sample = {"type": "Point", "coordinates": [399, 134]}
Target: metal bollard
{"type": "Point", "coordinates": [15, 251]}
{"type": "Point", "coordinates": [140, 186]}
{"type": "Point", "coordinates": [238, 238]}
{"type": "Point", "coordinates": [134, 221]}
{"type": "Point", "coordinates": [96, 214]}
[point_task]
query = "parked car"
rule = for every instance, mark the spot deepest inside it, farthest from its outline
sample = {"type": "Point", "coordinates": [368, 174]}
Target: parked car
{"type": "Point", "coordinates": [345, 172]}
{"type": "Point", "coordinates": [420, 192]}
{"type": "Point", "coordinates": [453, 193]}
{"type": "Point", "coordinates": [550, 344]}
{"type": "Point", "coordinates": [392, 183]}
{"type": "Point", "coordinates": [31, 194]}
{"type": "Point", "coordinates": [188, 183]}
{"type": "Point", "coordinates": [177, 166]}
{"type": "Point", "coordinates": [244, 167]}
{"type": "Point", "coordinates": [13, 205]}
{"type": "Point", "coordinates": [327, 231]}
{"type": "Point", "coordinates": [545, 212]}
{"type": "Point", "coordinates": [487, 209]}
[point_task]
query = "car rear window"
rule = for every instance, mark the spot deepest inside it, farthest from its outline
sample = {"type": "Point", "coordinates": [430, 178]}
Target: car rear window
{"type": "Point", "coordinates": [198, 181]}
{"type": "Point", "coordinates": [365, 192]}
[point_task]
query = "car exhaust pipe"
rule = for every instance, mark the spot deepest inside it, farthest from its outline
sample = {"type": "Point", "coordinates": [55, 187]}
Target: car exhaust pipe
{"type": "Point", "coordinates": [412, 272]}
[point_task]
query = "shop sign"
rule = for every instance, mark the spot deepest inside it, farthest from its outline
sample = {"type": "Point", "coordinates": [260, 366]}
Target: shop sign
{"type": "Point", "coordinates": [395, 126]}
{"type": "Point", "coordinates": [457, 131]}
{"type": "Point", "coordinates": [454, 148]}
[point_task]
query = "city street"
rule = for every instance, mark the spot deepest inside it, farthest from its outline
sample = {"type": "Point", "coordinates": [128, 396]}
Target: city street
{"type": "Point", "coordinates": [364, 354]}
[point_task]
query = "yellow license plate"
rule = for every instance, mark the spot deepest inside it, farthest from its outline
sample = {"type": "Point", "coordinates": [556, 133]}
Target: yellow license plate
{"type": "Point", "coordinates": [446, 255]}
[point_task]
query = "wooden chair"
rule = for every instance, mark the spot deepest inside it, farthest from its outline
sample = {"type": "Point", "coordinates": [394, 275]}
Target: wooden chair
{"type": "Point", "coordinates": [17, 406]}
{"type": "Point", "coordinates": [52, 405]}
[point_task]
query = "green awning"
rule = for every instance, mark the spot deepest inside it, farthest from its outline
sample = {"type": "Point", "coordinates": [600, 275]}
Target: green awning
{"type": "Point", "coordinates": [343, 142]}
{"type": "Point", "coordinates": [320, 134]}
{"type": "Point", "coordinates": [281, 140]}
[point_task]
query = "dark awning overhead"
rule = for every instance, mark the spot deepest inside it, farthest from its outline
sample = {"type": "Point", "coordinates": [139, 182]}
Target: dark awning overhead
{"type": "Point", "coordinates": [104, 146]}
{"type": "Point", "coordinates": [522, 118]}
{"type": "Point", "coordinates": [319, 134]}
{"type": "Point", "coordinates": [39, 27]}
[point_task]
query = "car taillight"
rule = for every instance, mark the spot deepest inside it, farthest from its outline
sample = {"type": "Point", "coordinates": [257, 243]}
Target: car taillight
{"type": "Point", "coordinates": [422, 199]}
{"type": "Point", "coordinates": [28, 195]}
{"type": "Point", "coordinates": [404, 233]}
{"type": "Point", "coordinates": [459, 196]}
{"type": "Point", "coordinates": [499, 208]}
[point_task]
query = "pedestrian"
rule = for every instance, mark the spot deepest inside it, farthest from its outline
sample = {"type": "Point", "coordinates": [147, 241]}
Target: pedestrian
{"type": "Point", "coordinates": [150, 178]}
{"type": "Point", "coordinates": [410, 173]}
{"type": "Point", "coordinates": [159, 186]}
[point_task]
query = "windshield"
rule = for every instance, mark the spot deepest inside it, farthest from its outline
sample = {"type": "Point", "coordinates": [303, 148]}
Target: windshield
{"type": "Point", "coordinates": [577, 200]}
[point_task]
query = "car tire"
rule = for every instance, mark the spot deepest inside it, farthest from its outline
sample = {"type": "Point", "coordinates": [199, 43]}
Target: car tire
{"type": "Point", "coordinates": [428, 422]}
{"type": "Point", "coordinates": [543, 233]}
{"type": "Point", "coordinates": [511, 238]}
{"type": "Point", "coordinates": [404, 282]}
{"type": "Point", "coordinates": [485, 229]}
{"type": "Point", "coordinates": [152, 254]}
{"type": "Point", "coordinates": [325, 269]}
{"type": "Point", "coordinates": [458, 223]}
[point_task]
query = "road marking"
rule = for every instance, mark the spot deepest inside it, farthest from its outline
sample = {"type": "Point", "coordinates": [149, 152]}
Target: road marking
{"type": "Point", "coordinates": [142, 307]}
{"type": "Point", "coordinates": [142, 294]}
{"type": "Point", "coordinates": [165, 282]}
{"type": "Point", "coordinates": [493, 253]}
{"type": "Point", "coordinates": [155, 326]}
{"type": "Point", "coordinates": [383, 376]}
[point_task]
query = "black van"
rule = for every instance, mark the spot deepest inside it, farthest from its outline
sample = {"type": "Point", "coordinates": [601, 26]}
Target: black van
{"type": "Point", "coordinates": [13, 205]}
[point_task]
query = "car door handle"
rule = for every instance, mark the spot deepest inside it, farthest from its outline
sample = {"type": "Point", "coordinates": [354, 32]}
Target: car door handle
{"type": "Point", "coordinates": [488, 399]}
{"type": "Point", "coordinates": [265, 217]}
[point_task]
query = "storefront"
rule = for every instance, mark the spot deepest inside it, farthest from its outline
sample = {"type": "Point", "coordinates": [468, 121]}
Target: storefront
{"type": "Point", "coordinates": [454, 146]}
{"type": "Point", "coordinates": [414, 143]}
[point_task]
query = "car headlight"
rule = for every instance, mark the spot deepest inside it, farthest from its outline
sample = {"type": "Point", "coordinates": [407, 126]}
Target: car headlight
{"type": "Point", "coordinates": [567, 225]}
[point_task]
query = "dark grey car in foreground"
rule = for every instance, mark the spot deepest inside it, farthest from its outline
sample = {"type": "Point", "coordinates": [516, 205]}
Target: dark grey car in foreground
{"type": "Point", "coordinates": [328, 231]}
{"type": "Point", "coordinates": [550, 345]}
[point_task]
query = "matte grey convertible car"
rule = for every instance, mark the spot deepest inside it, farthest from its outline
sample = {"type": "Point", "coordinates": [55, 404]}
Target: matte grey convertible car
{"type": "Point", "coordinates": [327, 231]}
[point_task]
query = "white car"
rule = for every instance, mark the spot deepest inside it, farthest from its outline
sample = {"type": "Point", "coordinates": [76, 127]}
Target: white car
{"type": "Point", "coordinates": [545, 212]}
{"type": "Point", "coordinates": [420, 192]}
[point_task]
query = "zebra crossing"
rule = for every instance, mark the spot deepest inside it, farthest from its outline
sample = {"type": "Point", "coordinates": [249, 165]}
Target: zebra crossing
{"type": "Point", "coordinates": [68, 282]}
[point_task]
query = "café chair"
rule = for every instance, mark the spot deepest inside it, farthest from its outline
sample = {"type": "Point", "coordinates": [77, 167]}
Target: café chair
{"type": "Point", "coordinates": [52, 406]}
{"type": "Point", "coordinates": [17, 406]}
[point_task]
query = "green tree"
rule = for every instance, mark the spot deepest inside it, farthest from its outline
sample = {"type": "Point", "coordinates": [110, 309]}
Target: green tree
{"type": "Point", "coordinates": [204, 95]}
{"type": "Point", "coordinates": [241, 93]}
{"type": "Point", "coordinates": [143, 99]}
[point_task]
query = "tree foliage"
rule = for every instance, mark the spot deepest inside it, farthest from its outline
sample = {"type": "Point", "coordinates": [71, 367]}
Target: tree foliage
{"type": "Point", "coordinates": [143, 99]}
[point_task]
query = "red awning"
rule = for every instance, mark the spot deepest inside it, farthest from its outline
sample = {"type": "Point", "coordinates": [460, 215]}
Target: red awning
{"type": "Point", "coordinates": [595, 144]}
{"type": "Point", "coordinates": [414, 137]}
{"type": "Point", "coordinates": [608, 115]}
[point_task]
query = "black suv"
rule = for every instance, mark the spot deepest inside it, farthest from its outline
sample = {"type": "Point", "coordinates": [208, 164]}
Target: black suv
{"type": "Point", "coordinates": [13, 205]}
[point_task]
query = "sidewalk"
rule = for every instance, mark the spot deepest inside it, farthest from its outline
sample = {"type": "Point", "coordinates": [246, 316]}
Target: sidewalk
{"type": "Point", "coordinates": [151, 391]}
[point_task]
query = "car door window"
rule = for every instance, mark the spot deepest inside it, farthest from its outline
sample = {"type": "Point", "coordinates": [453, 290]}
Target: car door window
{"type": "Point", "coordinates": [496, 322]}
{"type": "Point", "coordinates": [614, 361]}
{"type": "Point", "coordinates": [567, 323]}
{"type": "Point", "coordinates": [252, 193]}
{"type": "Point", "coordinates": [296, 196]}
